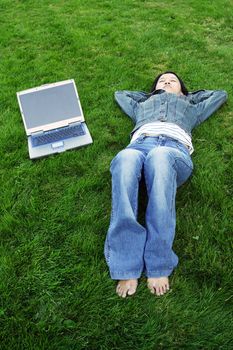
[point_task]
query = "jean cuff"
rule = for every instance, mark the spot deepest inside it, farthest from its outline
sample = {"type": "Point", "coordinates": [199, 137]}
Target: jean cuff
{"type": "Point", "coordinates": [122, 275]}
{"type": "Point", "coordinates": [155, 274]}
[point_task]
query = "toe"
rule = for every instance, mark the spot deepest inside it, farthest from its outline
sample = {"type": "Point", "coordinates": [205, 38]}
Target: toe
{"type": "Point", "coordinates": [131, 291]}
{"type": "Point", "coordinates": [124, 293]}
{"type": "Point", "coordinates": [158, 291]}
{"type": "Point", "coordinates": [151, 288]}
{"type": "Point", "coordinates": [163, 289]}
{"type": "Point", "coordinates": [119, 290]}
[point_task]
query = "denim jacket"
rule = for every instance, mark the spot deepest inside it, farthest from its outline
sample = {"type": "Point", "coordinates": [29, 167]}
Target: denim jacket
{"type": "Point", "coordinates": [185, 111]}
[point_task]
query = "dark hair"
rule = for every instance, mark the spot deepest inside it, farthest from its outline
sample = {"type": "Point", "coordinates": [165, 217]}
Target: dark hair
{"type": "Point", "coordinates": [183, 87]}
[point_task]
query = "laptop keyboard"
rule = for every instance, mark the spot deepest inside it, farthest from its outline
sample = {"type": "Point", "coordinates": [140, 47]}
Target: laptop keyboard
{"type": "Point", "coordinates": [58, 135]}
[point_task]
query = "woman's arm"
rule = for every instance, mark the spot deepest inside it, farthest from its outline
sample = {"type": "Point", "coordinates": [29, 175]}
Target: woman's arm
{"type": "Point", "coordinates": [128, 101]}
{"type": "Point", "coordinates": [207, 102]}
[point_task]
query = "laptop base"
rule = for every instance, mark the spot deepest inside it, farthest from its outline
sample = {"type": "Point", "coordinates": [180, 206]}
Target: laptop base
{"type": "Point", "coordinates": [59, 146]}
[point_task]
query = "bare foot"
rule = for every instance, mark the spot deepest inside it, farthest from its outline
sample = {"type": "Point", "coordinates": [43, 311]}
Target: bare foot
{"type": "Point", "coordinates": [158, 285]}
{"type": "Point", "coordinates": [126, 287]}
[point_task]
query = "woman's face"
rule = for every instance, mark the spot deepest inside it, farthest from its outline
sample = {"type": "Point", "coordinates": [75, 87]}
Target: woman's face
{"type": "Point", "coordinates": [170, 83]}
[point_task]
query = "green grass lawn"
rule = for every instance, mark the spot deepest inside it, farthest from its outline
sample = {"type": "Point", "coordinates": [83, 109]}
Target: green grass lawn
{"type": "Point", "coordinates": [55, 289]}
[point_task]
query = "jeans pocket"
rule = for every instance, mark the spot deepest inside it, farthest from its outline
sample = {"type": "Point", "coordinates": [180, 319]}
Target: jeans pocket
{"type": "Point", "coordinates": [181, 147]}
{"type": "Point", "coordinates": [184, 169]}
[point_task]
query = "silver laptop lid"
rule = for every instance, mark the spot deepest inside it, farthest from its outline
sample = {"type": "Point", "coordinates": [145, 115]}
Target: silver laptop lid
{"type": "Point", "coordinates": [50, 106]}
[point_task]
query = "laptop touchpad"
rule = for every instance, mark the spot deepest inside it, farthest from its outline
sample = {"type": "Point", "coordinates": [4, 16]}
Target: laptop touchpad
{"type": "Point", "coordinates": [57, 144]}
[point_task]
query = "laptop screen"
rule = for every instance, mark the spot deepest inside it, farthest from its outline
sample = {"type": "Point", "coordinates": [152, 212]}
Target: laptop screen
{"type": "Point", "coordinates": [50, 105]}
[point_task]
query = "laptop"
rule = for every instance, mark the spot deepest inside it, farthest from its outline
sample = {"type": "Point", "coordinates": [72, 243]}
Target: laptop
{"type": "Point", "coordinates": [53, 118]}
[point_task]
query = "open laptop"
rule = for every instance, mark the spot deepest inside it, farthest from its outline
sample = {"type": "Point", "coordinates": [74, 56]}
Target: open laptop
{"type": "Point", "coordinates": [53, 118]}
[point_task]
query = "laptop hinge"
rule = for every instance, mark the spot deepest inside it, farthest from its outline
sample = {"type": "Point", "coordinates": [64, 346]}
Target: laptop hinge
{"type": "Point", "coordinates": [37, 133]}
{"type": "Point", "coordinates": [75, 123]}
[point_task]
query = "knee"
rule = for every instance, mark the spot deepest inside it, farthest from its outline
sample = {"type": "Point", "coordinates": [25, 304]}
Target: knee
{"type": "Point", "coordinates": [159, 162]}
{"type": "Point", "coordinates": [127, 161]}
{"type": "Point", "coordinates": [159, 156]}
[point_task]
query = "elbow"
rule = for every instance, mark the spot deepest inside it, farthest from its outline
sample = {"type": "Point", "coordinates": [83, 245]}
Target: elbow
{"type": "Point", "coordinates": [117, 94]}
{"type": "Point", "coordinates": [221, 96]}
{"type": "Point", "coordinates": [225, 95]}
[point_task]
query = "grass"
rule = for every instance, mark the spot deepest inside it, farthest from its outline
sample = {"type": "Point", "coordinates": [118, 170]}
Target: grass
{"type": "Point", "coordinates": [55, 289]}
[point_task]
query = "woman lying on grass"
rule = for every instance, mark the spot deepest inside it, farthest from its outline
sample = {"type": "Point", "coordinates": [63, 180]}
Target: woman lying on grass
{"type": "Point", "coordinates": [161, 147]}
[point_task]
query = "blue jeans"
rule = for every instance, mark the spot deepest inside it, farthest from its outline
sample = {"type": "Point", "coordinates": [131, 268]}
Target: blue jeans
{"type": "Point", "coordinates": [131, 248]}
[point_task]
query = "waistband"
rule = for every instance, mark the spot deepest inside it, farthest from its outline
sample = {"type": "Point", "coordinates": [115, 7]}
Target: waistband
{"type": "Point", "coordinates": [145, 135]}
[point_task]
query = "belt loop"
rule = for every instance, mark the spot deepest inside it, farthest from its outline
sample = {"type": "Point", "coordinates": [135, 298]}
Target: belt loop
{"type": "Point", "coordinates": [141, 138]}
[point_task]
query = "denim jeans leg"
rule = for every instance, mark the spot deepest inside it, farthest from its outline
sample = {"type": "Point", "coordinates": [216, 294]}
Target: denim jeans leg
{"type": "Point", "coordinates": [125, 241]}
{"type": "Point", "coordinates": [165, 168]}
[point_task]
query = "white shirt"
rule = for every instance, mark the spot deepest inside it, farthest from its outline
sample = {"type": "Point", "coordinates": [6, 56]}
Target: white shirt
{"type": "Point", "coordinates": [163, 128]}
